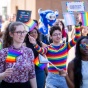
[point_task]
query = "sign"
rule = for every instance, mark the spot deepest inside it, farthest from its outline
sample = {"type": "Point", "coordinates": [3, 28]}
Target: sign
{"type": "Point", "coordinates": [69, 18]}
{"type": "Point", "coordinates": [75, 6]}
{"type": "Point", "coordinates": [23, 16]}
{"type": "Point", "coordinates": [84, 18]}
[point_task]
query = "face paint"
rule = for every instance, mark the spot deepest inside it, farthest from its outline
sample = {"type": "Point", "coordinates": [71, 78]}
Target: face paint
{"type": "Point", "coordinates": [84, 46]}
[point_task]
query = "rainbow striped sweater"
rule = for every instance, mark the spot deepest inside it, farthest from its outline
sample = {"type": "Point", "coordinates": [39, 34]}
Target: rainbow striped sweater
{"type": "Point", "coordinates": [58, 54]}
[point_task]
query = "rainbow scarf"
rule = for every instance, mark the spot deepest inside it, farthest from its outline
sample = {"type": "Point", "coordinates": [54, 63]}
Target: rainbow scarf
{"type": "Point", "coordinates": [40, 65]}
{"type": "Point", "coordinates": [31, 24]}
{"type": "Point", "coordinates": [84, 17]}
{"type": "Point", "coordinates": [12, 55]}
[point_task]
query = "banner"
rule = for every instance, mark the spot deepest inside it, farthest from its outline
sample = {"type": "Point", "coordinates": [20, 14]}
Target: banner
{"type": "Point", "coordinates": [69, 19]}
{"type": "Point", "coordinates": [23, 15]}
{"type": "Point", "coordinates": [84, 18]}
{"type": "Point", "coordinates": [75, 6]}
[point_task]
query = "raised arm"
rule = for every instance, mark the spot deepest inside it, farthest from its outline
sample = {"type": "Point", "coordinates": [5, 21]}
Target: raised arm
{"type": "Point", "coordinates": [74, 40]}
{"type": "Point", "coordinates": [40, 49]}
{"type": "Point", "coordinates": [37, 47]}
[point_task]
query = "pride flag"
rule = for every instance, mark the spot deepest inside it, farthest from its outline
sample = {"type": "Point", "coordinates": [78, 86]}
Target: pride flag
{"type": "Point", "coordinates": [12, 55]}
{"type": "Point", "coordinates": [31, 24]}
{"type": "Point", "coordinates": [84, 17]}
{"type": "Point", "coordinates": [40, 65]}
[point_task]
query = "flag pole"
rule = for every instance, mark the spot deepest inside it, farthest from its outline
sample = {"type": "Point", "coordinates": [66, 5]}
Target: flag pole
{"type": "Point", "coordinates": [53, 65]}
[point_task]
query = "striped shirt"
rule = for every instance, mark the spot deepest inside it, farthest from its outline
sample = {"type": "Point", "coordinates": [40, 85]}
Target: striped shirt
{"type": "Point", "coordinates": [58, 54]}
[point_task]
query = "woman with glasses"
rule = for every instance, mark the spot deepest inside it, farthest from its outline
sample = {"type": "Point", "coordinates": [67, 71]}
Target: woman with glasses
{"type": "Point", "coordinates": [40, 73]}
{"type": "Point", "coordinates": [19, 73]}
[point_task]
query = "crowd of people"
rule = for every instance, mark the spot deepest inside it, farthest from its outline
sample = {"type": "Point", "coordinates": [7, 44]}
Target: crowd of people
{"type": "Point", "coordinates": [25, 74]}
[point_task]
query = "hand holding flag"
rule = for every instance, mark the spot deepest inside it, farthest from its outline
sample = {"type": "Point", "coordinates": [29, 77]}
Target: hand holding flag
{"type": "Point", "coordinates": [41, 62]}
{"type": "Point", "coordinates": [12, 55]}
{"type": "Point", "coordinates": [8, 72]}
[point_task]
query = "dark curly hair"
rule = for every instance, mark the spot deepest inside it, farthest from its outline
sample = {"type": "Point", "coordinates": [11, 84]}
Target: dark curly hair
{"type": "Point", "coordinates": [27, 39]}
{"type": "Point", "coordinates": [7, 39]}
{"type": "Point", "coordinates": [78, 64]}
{"type": "Point", "coordinates": [53, 28]}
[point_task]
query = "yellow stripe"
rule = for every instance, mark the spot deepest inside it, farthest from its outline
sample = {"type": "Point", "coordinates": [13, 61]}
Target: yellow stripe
{"type": "Point", "coordinates": [87, 18]}
{"type": "Point", "coordinates": [10, 57]}
{"type": "Point", "coordinates": [57, 57]}
{"type": "Point", "coordinates": [64, 64]}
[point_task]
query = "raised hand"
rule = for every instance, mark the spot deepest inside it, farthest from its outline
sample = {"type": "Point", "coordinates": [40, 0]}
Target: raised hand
{"type": "Point", "coordinates": [32, 40]}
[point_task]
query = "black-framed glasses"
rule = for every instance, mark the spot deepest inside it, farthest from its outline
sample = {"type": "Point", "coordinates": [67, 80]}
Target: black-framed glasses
{"type": "Point", "coordinates": [21, 32]}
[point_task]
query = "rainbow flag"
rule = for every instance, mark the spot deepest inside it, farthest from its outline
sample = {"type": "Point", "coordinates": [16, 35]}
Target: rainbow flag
{"type": "Point", "coordinates": [40, 65]}
{"type": "Point", "coordinates": [84, 17]}
{"type": "Point", "coordinates": [31, 24]}
{"type": "Point", "coordinates": [12, 55]}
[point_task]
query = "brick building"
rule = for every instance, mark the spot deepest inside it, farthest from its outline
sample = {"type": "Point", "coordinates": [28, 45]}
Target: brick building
{"type": "Point", "coordinates": [34, 5]}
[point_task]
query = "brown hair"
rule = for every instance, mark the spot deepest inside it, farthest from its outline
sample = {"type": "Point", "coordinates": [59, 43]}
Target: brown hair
{"type": "Point", "coordinates": [8, 40]}
{"type": "Point", "coordinates": [53, 28]}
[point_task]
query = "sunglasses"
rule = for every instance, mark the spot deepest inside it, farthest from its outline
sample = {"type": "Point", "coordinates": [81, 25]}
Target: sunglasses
{"type": "Point", "coordinates": [84, 46]}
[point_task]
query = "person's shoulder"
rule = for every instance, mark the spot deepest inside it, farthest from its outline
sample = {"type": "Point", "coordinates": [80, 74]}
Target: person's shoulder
{"type": "Point", "coordinates": [71, 64]}
{"type": "Point", "coordinates": [3, 52]}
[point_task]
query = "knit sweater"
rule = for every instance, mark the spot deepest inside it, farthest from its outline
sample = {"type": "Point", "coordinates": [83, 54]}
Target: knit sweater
{"type": "Point", "coordinates": [58, 54]}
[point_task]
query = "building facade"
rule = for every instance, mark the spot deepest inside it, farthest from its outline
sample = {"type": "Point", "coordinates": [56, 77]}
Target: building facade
{"type": "Point", "coordinates": [34, 5]}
